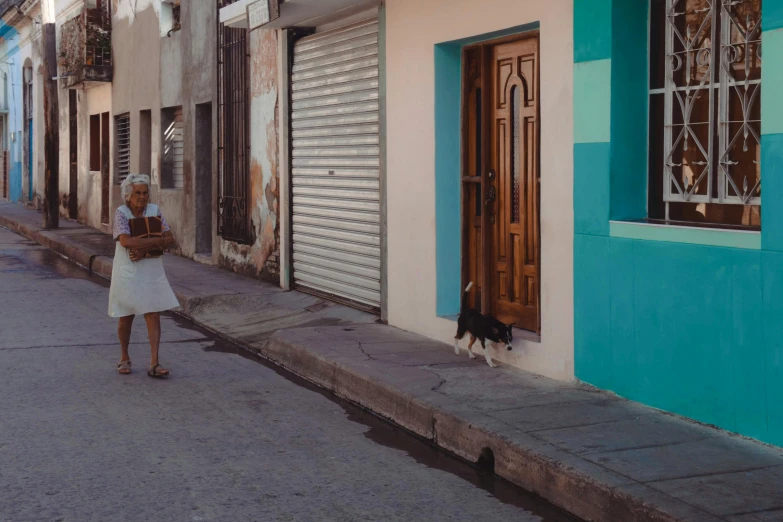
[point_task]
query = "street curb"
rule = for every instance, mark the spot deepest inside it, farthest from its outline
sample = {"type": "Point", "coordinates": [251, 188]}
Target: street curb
{"type": "Point", "coordinates": [65, 247]}
{"type": "Point", "coordinates": [553, 481]}
{"type": "Point", "coordinates": [527, 467]}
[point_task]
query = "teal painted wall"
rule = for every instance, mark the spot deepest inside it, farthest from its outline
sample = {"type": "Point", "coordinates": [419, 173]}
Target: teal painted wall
{"type": "Point", "coordinates": [448, 59]}
{"type": "Point", "coordinates": [688, 328]}
{"type": "Point", "coordinates": [448, 202]}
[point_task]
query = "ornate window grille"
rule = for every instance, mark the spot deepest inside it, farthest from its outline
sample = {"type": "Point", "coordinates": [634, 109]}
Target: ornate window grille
{"type": "Point", "coordinates": [233, 133]}
{"type": "Point", "coordinates": [711, 87]}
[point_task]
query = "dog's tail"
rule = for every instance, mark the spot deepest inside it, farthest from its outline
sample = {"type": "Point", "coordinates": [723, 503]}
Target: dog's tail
{"type": "Point", "coordinates": [465, 296]}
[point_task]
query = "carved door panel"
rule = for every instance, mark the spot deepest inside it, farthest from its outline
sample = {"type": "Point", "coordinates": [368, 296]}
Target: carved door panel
{"type": "Point", "coordinates": [514, 175]}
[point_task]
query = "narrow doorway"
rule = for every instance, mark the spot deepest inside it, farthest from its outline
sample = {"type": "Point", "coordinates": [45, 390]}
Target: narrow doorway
{"type": "Point", "coordinates": [105, 158]}
{"type": "Point", "coordinates": [27, 96]}
{"type": "Point", "coordinates": [145, 142]}
{"type": "Point", "coordinates": [204, 178]}
{"type": "Point", "coordinates": [500, 179]}
{"type": "Point", "coordinates": [73, 144]}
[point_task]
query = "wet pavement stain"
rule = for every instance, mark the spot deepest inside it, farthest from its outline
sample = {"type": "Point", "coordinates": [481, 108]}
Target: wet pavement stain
{"type": "Point", "coordinates": [46, 264]}
{"type": "Point", "coordinates": [386, 434]}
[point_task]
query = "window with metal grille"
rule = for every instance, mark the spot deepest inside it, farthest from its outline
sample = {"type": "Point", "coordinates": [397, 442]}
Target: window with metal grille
{"type": "Point", "coordinates": [172, 173]}
{"type": "Point", "coordinates": [705, 111]}
{"type": "Point", "coordinates": [123, 147]}
{"type": "Point", "coordinates": [233, 133]}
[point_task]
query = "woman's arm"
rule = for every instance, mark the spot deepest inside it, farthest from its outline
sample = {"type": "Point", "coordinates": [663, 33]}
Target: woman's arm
{"type": "Point", "coordinates": [136, 243]}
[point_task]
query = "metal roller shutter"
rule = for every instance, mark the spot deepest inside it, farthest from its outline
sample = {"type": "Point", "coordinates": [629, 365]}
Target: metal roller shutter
{"type": "Point", "coordinates": [123, 147]}
{"type": "Point", "coordinates": [335, 164]}
{"type": "Point", "coordinates": [173, 147]}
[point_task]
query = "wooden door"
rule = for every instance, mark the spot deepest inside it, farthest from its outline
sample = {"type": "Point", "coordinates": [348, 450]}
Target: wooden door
{"type": "Point", "coordinates": [503, 140]}
{"type": "Point", "coordinates": [514, 177]}
{"type": "Point", "coordinates": [73, 144]}
{"type": "Point", "coordinates": [105, 181]}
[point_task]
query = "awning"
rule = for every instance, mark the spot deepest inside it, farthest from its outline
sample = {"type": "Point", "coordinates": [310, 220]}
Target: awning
{"type": "Point", "coordinates": [297, 13]}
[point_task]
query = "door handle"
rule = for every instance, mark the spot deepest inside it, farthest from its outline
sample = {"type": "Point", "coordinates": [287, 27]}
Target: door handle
{"type": "Point", "coordinates": [491, 188]}
{"type": "Point", "coordinates": [490, 195]}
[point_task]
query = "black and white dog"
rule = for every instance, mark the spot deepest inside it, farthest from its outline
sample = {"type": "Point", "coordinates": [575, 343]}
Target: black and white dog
{"type": "Point", "coordinates": [481, 327]}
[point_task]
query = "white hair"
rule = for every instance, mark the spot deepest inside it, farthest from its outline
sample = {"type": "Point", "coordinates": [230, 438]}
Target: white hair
{"type": "Point", "coordinates": [133, 179]}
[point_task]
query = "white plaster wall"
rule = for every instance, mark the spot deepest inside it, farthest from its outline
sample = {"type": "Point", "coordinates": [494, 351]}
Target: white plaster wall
{"type": "Point", "coordinates": [128, 9]}
{"type": "Point", "coordinates": [412, 30]}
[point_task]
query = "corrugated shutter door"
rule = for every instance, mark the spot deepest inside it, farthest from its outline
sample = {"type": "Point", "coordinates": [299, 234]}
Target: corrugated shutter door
{"type": "Point", "coordinates": [335, 164]}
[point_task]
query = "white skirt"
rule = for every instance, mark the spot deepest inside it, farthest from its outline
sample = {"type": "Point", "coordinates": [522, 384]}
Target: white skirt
{"type": "Point", "coordinates": [140, 287]}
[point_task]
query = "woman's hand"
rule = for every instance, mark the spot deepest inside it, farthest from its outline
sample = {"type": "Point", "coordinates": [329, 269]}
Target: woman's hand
{"type": "Point", "coordinates": [168, 241]}
{"type": "Point", "coordinates": [137, 254]}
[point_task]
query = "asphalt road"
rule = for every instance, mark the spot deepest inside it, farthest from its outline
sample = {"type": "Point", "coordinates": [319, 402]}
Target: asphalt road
{"type": "Point", "coordinates": [226, 438]}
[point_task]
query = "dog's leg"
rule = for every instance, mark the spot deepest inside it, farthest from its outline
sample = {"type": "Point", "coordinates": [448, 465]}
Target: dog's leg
{"type": "Point", "coordinates": [460, 334]}
{"type": "Point", "coordinates": [486, 356]}
{"type": "Point", "coordinates": [470, 347]}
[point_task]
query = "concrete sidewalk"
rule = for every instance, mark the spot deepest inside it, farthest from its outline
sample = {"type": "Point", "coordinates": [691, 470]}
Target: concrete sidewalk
{"type": "Point", "coordinates": [589, 452]}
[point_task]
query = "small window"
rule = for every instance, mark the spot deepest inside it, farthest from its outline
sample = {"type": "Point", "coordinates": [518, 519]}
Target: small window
{"type": "Point", "coordinates": [123, 147]}
{"type": "Point", "coordinates": [172, 170]}
{"type": "Point", "coordinates": [95, 142]}
{"type": "Point", "coordinates": [169, 17]}
{"type": "Point", "coordinates": [705, 112]}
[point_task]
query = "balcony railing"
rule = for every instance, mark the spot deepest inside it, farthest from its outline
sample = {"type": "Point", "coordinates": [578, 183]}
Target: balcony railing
{"type": "Point", "coordinates": [85, 49]}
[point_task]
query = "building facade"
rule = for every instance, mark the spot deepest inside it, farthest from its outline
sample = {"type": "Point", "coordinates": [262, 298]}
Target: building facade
{"type": "Point", "coordinates": [677, 264]}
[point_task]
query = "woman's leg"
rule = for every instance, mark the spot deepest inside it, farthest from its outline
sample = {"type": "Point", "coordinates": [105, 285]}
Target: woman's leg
{"type": "Point", "coordinates": [124, 333]}
{"type": "Point", "coordinates": [153, 330]}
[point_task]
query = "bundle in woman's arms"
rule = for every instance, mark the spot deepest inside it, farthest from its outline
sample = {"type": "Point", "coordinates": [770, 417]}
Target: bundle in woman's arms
{"type": "Point", "coordinates": [147, 227]}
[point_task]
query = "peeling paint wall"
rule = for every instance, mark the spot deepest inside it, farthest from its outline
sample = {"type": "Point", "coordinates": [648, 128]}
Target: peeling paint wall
{"type": "Point", "coordinates": [261, 259]}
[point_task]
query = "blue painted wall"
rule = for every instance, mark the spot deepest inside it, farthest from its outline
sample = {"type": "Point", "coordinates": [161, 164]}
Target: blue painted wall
{"type": "Point", "coordinates": [15, 182]}
{"type": "Point", "coordinates": [11, 64]}
{"type": "Point", "coordinates": [688, 328]}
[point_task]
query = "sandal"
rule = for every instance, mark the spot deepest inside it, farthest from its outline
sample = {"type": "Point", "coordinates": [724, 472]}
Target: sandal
{"type": "Point", "coordinates": [124, 368]}
{"type": "Point", "coordinates": [158, 372]}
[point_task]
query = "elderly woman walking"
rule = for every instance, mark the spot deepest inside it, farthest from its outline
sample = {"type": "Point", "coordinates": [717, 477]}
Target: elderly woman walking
{"type": "Point", "coordinates": [138, 281]}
